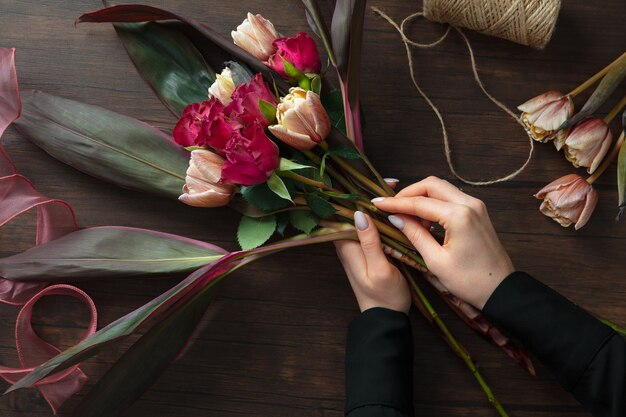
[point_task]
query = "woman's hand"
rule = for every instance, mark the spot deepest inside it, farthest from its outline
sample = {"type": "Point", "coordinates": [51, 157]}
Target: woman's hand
{"type": "Point", "coordinates": [375, 281]}
{"type": "Point", "coordinates": [471, 263]}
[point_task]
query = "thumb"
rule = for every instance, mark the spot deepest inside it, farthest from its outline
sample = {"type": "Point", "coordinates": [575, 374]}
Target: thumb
{"type": "Point", "coordinates": [370, 242]}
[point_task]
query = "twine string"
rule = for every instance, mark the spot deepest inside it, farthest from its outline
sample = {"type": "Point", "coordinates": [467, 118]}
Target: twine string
{"type": "Point", "coordinates": [446, 141]}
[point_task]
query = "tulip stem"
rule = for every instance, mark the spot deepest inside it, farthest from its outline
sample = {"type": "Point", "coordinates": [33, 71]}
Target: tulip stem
{"type": "Point", "coordinates": [433, 317]}
{"type": "Point", "coordinates": [595, 77]}
{"type": "Point", "coordinates": [308, 181]}
{"type": "Point", "coordinates": [607, 159]}
{"type": "Point", "coordinates": [615, 111]}
{"type": "Point", "coordinates": [333, 172]}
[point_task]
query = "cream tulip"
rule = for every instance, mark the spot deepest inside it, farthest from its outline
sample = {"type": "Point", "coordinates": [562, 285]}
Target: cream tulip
{"type": "Point", "coordinates": [202, 184]}
{"type": "Point", "coordinates": [256, 35]}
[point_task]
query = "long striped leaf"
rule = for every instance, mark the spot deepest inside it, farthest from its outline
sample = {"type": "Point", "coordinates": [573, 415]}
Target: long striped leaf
{"type": "Point", "coordinates": [104, 144]}
{"type": "Point", "coordinates": [109, 252]}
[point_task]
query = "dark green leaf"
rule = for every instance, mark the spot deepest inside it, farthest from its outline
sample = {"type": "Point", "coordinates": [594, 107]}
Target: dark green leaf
{"type": "Point", "coordinates": [347, 153]}
{"type": "Point", "coordinates": [104, 144]}
{"type": "Point", "coordinates": [314, 16]}
{"type": "Point", "coordinates": [319, 206]}
{"type": "Point", "coordinates": [276, 184]}
{"type": "Point", "coordinates": [139, 367]}
{"type": "Point", "coordinates": [340, 33]}
{"type": "Point", "coordinates": [340, 195]}
{"type": "Point", "coordinates": [268, 110]}
{"type": "Point", "coordinates": [109, 252]}
{"type": "Point", "coordinates": [316, 84]}
{"type": "Point", "coordinates": [303, 220]}
{"type": "Point", "coordinates": [282, 221]}
{"type": "Point", "coordinates": [263, 198]}
{"type": "Point", "coordinates": [169, 62]}
{"type": "Point", "coordinates": [333, 103]}
{"type": "Point", "coordinates": [255, 231]}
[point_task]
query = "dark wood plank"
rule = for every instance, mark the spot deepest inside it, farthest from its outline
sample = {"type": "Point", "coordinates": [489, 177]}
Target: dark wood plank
{"type": "Point", "coordinates": [274, 345]}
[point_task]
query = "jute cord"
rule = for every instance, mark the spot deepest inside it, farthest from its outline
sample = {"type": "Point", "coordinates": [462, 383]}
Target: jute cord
{"type": "Point", "coordinates": [446, 141]}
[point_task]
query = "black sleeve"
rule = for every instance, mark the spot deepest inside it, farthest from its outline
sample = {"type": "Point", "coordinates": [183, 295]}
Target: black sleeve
{"type": "Point", "coordinates": [379, 365]}
{"type": "Point", "coordinates": [587, 357]}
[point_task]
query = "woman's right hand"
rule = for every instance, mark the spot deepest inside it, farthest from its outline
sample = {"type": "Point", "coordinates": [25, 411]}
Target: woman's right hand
{"type": "Point", "coordinates": [472, 262]}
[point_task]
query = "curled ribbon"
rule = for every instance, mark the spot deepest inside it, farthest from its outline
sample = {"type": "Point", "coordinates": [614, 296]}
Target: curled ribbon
{"type": "Point", "coordinates": [55, 218]}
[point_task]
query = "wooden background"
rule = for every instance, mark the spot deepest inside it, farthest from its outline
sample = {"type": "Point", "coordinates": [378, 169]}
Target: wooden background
{"type": "Point", "coordinates": [275, 343]}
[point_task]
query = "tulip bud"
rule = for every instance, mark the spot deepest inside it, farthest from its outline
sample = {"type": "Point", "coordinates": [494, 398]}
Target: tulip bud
{"type": "Point", "coordinates": [255, 35]}
{"type": "Point", "coordinates": [302, 120]}
{"type": "Point", "coordinates": [544, 114]}
{"type": "Point", "coordinates": [223, 86]}
{"type": "Point", "coordinates": [587, 143]}
{"type": "Point", "coordinates": [202, 184]}
{"type": "Point", "coordinates": [569, 199]}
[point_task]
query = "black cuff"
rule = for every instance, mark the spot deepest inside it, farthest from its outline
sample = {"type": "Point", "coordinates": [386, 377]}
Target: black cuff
{"type": "Point", "coordinates": [563, 336]}
{"type": "Point", "coordinates": [379, 361]}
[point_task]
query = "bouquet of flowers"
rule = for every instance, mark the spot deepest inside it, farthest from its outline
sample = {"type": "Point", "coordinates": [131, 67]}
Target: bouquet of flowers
{"type": "Point", "coordinates": [259, 129]}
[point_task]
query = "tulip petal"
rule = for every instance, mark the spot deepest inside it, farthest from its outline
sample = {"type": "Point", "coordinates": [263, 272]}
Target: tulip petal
{"type": "Point", "coordinates": [590, 205]}
{"type": "Point", "coordinates": [209, 198]}
{"type": "Point", "coordinates": [557, 184]}
{"type": "Point", "coordinates": [553, 115]}
{"type": "Point", "coordinates": [294, 139]}
{"type": "Point", "coordinates": [320, 117]}
{"type": "Point", "coordinates": [538, 102]}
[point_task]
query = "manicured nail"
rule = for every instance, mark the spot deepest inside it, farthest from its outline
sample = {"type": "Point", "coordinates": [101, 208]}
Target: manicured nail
{"type": "Point", "coordinates": [396, 221]}
{"type": "Point", "coordinates": [377, 199]}
{"type": "Point", "coordinates": [360, 221]}
{"type": "Point", "coordinates": [391, 180]}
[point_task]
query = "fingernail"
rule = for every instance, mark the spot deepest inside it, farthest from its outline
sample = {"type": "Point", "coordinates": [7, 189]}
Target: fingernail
{"type": "Point", "coordinates": [360, 221]}
{"type": "Point", "coordinates": [396, 221]}
{"type": "Point", "coordinates": [377, 199]}
{"type": "Point", "coordinates": [391, 180]}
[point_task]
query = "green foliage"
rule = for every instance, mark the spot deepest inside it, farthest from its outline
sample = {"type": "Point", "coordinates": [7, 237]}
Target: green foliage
{"type": "Point", "coordinates": [320, 206]}
{"type": "Point", "coordinates": [288, 165]}
{"type": "Point", "coordinates": [262, 197]}
{"type": "Point", "coordinates": [333, 103]}
{"type": "Point", "coordinates": [255, 231]}
{"type": "Point", "coordinates": [268, 110]}
{"type": "Point", "coordinates": [346, 153]}
{"type": "Point", "coordinates": [303, 220]}
{"type": "Point", "coordinates": [276, 184]}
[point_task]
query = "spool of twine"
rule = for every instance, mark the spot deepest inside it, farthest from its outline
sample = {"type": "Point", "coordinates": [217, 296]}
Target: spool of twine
{"type": "Point", "coordinates": [529, 22]}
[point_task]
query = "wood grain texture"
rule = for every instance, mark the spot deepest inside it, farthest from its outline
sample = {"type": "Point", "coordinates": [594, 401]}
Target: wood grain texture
{"type": "Point", "coordinates": [275, 342]}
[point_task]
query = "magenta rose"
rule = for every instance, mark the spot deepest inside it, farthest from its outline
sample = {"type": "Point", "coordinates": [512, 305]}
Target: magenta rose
{"type": "Point", "coordinates": [299, 50]}
{"type": "Point", "coordinates": [245, 102]}
{"type": "Point", "coordinates": [251, 157]}
{"type": "Point", "coordinates": [204, 124]}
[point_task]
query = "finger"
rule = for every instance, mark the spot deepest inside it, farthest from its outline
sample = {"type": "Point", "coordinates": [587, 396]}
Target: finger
{"type": "Point", "coordinates": [426, 208]}
{"type": "Point", "coordinates": [375, 258]}
{"type": "Point", "coordinates": [392, 182]}
{"type": "Point", "coordinates": [351, 257]}
{"type": "Point", "coordinates": [436, 188]}
{"type": "Point", "coordinates": [419, 236]}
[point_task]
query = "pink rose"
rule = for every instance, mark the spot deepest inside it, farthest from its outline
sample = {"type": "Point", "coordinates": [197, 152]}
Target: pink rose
{"type": "Point", "coordinates": [245, 101]}
{"type": "Point", "coordinates": [299, 50]}
{"type": "Point", "coordinates": [251, 157]}
{"type": "Point", "coordinates": [204, 124]}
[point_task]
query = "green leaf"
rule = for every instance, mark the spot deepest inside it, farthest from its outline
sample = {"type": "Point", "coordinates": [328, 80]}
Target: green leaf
{"type": "Point", "coordinates": [193, 148]}
{"type": "Point", "coordinates": [140, 367]}
{"type": "Point", "coordinates": [255, 231]}
{"type": "Point", "coordinates": [314, 17]}
{"type": "Point", "coordinates": [109, 252]}
{"type": "Point", "coordinates": [262, 197]}
{"type": "Point", "coordinates": [303, 220]}
{"type": "Point", "coordinates": [268, 110]}
{"type": "Point", "coordinates": [333, 103]}
{"type": "Point", "coordinates": [347, 153]}
{"type": "Point", "coordinates": [319, 206]}
{"type": "Point", "coordinates": [104, 144]}
{"type": "Point", "coordinates": [316, 84]}
{"type": "Point", "coordinates": [289, 165]}
{"type": "Point", "coordinates": [276, 184]}
{"type": "Point", "coordinates": [282, 221]}
{"type": "Point", "coordinates": [168, 61]}
{"type": "Point", "coordinates": [340, 195]}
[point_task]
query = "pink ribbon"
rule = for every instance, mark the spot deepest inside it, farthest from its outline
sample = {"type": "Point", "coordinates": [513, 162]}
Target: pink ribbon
{"type": "Point", "coordinates": [55, 218]}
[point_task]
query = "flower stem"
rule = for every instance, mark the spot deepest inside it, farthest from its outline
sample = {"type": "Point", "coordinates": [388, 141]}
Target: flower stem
{"type": "Point", "coordinates": [615, 111]}
{"type": "Point", "coordinates": [456, 346]}
{"type": "Point", "coordinates": [607, 159]}
{"type": "Point", "coordinates": [333, 172]}
{"type": "Point", "coordinates": [308, 181]}
{"type": "Point", "coordinates": [595, 77]}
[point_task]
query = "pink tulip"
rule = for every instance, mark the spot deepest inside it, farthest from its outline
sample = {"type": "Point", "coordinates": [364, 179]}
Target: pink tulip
{"type": "Point", "coordinates": [202, 184]}
{"type": "Point", "coordinates": [569, 199]}
{"type": "Point", "coordinates": [251, 157]}
{"type": "Point", "coordinates": [244, 106]}
{"type": "Point", "coordinates": [587, 143]}
{"type": "Point", "coordinates": [544, 114]}
{"type": "Point", "coordinates": [204, 124]}
{"type": "Point", "coordinates": [299, 50]}
{"type": "Point", "coordinates": [302, 120]}
{"type": "Point", "coordinates": [256, 35]}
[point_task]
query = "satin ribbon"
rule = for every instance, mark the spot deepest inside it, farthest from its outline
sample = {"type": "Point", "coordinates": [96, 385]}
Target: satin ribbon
{"type": "Point", "coordinates": [55, 218]}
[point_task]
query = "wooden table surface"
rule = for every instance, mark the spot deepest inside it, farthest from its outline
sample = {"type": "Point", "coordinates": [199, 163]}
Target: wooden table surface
{"type": "Point", "coordinates": [275, 342]}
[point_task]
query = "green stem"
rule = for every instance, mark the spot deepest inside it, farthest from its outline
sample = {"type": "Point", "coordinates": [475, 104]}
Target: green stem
{"type": "Point", "coordinates": [595, 77]}
{"type": "Point", "coordinates": [308, 181]}
{"type": "Point", "coordinates": [333, 173]}
{"type": "Point", "coordinates": [453, 343]}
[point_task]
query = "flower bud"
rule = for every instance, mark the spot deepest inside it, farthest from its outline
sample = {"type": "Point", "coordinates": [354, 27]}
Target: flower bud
{"type": "Point", "coordinates": [202, 184]}
{"type": "Point", "coordinates": [587, 143]}
{"type": "Point", "coordinates": [569, 199]}
{"type": "Point", "coordinates": [302, 120]}
{"type": "Point", "coordinates": [223, 86]}
{"type": "Point", "coordinates": [255, 35]}
{"type": "Point", "coordinates": [299, 50]}
{"type": "Point", "coordinates": [544, 114]}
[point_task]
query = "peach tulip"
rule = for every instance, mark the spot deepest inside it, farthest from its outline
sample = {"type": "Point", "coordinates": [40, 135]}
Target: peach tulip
{"type": "Point", "coordinates": [587, 143]}
{"type": "Point", "coordinates": [202, 184]}
{"type": "Point", "coordinates": [544, 114]}
{"type": "Point", "coordinates": [256, 35]}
